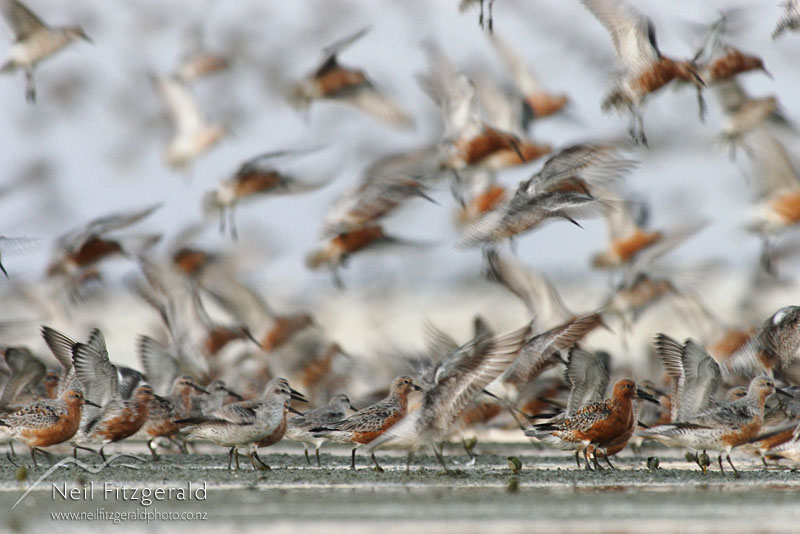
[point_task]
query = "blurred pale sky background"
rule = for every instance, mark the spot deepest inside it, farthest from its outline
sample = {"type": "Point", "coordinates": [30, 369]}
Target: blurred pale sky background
{"type": "Point", "coordinates": [99, 129]}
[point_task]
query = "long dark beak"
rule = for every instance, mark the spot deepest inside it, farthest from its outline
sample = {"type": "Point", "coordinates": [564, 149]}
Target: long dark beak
{"type": "Point", "coordinates": [251, 337]}
{"type": "Point", "coordinates": [416, 387]}
{"type": "Point", "coordinates": [353, 408]}
{"type": "Point", "coordinates": [642, 394]}
{"type": "Point", "coordinates": [201, 390]}
{"type": "Point", "coordinates": [294, 410]}
{"type": "Point", "coordinates": [160, 398]}
{"type": "Point", "coordinates": [233, 394]}
{"type": "Point", "coordinates": [296, 395]}
{"type": "Point", "coordinates": [90, 403]}
{"type": "Point", "coordinates": [783, 392]}
{"type": "Point", "coordinates": [3, 269]}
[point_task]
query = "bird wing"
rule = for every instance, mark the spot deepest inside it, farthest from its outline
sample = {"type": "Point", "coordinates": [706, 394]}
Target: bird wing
{"type": "Point", "coordinates": [376, 104]}
{"type": "Point", "coordinates": [60, 345]}
{"type": "Point", "coordinates": [26, 371]}
{"type": "Point", "coordinates": [472, 371]}
{"type": "Point", "coordinates": [588, 376]}
{"type": "Point", "coordinates": [181, 104]}
{"type": "Point", "coordinates": [530, 286]}
{"type": "Point", "coordinates": [454, 95]}
{"type": "Point", "coordinates": [632, 34]}
{"type": "Point", "coordinates": [22, 21]}
{"type": "Point", "coordinates": [160, 366]}
{"type": "Point", "coordinates": [730, 94]}
{"type": "Point", "coordinates": [670, 352]}
{"type": "Point", "coordinates": [537, 352]}
{"type": "Point", "coordinates": [597, 164]}
{"type": "Point", "coordinates": [96, 373]}
{"type": "Point", "coordinates": [773, 168]}
{"type": "Point", "coordinates": [39, 414]}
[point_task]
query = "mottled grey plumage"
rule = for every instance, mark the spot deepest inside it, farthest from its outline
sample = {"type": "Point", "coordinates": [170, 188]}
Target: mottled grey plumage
{"type": "Point", "coordinates": [695, 376]}
{"type": "Point", "coordinates": [450, 385]}
{"type": "Point", "coordinates": [299, 427]}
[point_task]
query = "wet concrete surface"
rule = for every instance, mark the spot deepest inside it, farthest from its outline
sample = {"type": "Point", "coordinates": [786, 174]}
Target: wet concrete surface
{"type": "Point", "coordinates": [549, 494]}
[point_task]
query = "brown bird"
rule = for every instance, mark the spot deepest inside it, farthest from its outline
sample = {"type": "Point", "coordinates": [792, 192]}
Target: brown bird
{"type": "Point", "coordinates": [566, 187]}
{"type": "Point", "coordinates": [539, 101]}
{"type": "Point", "coordinates": [333, 81]}
{"type": "Point", "coordinates": [78, 252]}
{"type": "Point", "coordinates": [46, 422]}
{"type": "Point", "coordinates": [600, 425]}
{"type": "Point", "coordinates": [367, 424]}
{"type": "Point", "coordinates": [644, 70]}
{"type": "Point", "coordinates": [34, 41]}
{"type": "Point", "coordinates": [254, 178]}
{"type": "Point", "coordinates": [777, 190]}
{"type": "Point", "coordinates": [468, 141]}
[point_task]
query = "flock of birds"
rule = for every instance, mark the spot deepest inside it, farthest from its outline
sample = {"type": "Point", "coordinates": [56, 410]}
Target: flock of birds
{"type": "Point", "coordinates": [738, 389]}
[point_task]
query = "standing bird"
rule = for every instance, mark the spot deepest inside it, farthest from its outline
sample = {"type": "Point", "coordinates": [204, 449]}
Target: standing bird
{"type": "Point", "coordinates": [163, 413]}
{"type": "Point", "coordinates": [300, 426]}
{"type": "Point", "coordinates": [333, 81]}
{"type": "Point", "coordinates": [601, 425]}
{"type": "Point", "coordinates": [720, 428]}
{"type": "Point", "coordinates": [244, 424]}
{"type": "Point", "coordinates": [193, 133]}
{"type": "Point", "coordinates": [448, 388]}
{"type": "Point", "coordinates": [46, 422]}
{"type": "Point", "coordinates": [123, 407]}
{"type": "Point", "coordinates": [34, 41]}
{"type": "Point", "coordinates": [367, 424]}
{"type": "Point", "coordinates": [643, 69]}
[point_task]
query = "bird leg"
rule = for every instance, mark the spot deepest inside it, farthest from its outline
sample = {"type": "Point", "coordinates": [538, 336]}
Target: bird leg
{"type": "Point", "coordinates": [76, 447]}
{"type": "Point", "coordinates": [232, 224]}
{"type": "Point", "coordinates": [588, 466]}
{"type": "Point", "coordinates": [409, 458]}
{"type": "Point", "coordinates": [305, 450]}
{"type": "Point", "coordinates": [377, 468]}
{"type": "Point", "coordinates": [701, 104]}
{"type": "Point", "coordinates": [30, 87]}
{"type": "Point", "coordinates": [255, 458]}
{"type": "Point", "coordinates": [596, 464]}
{"type": "Point", "coordinates": [316, 453]}
{"type": "Point", "coordinates": [491, 16]}
{"type": "Point", "coordinates": [719, 459]}
{"type": "Point", "coordinates": [353, 459]}
{"type": "Point", "coordinates": [440, 457]}
{"type": "Point", "coordinates": [8, 455]}
{"type": "Point", "coordinates": [605, 457]}
{"type": "Point", "coordinates": [735, 472]}
{"type": "Point", "coordinates": [577, 458]}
